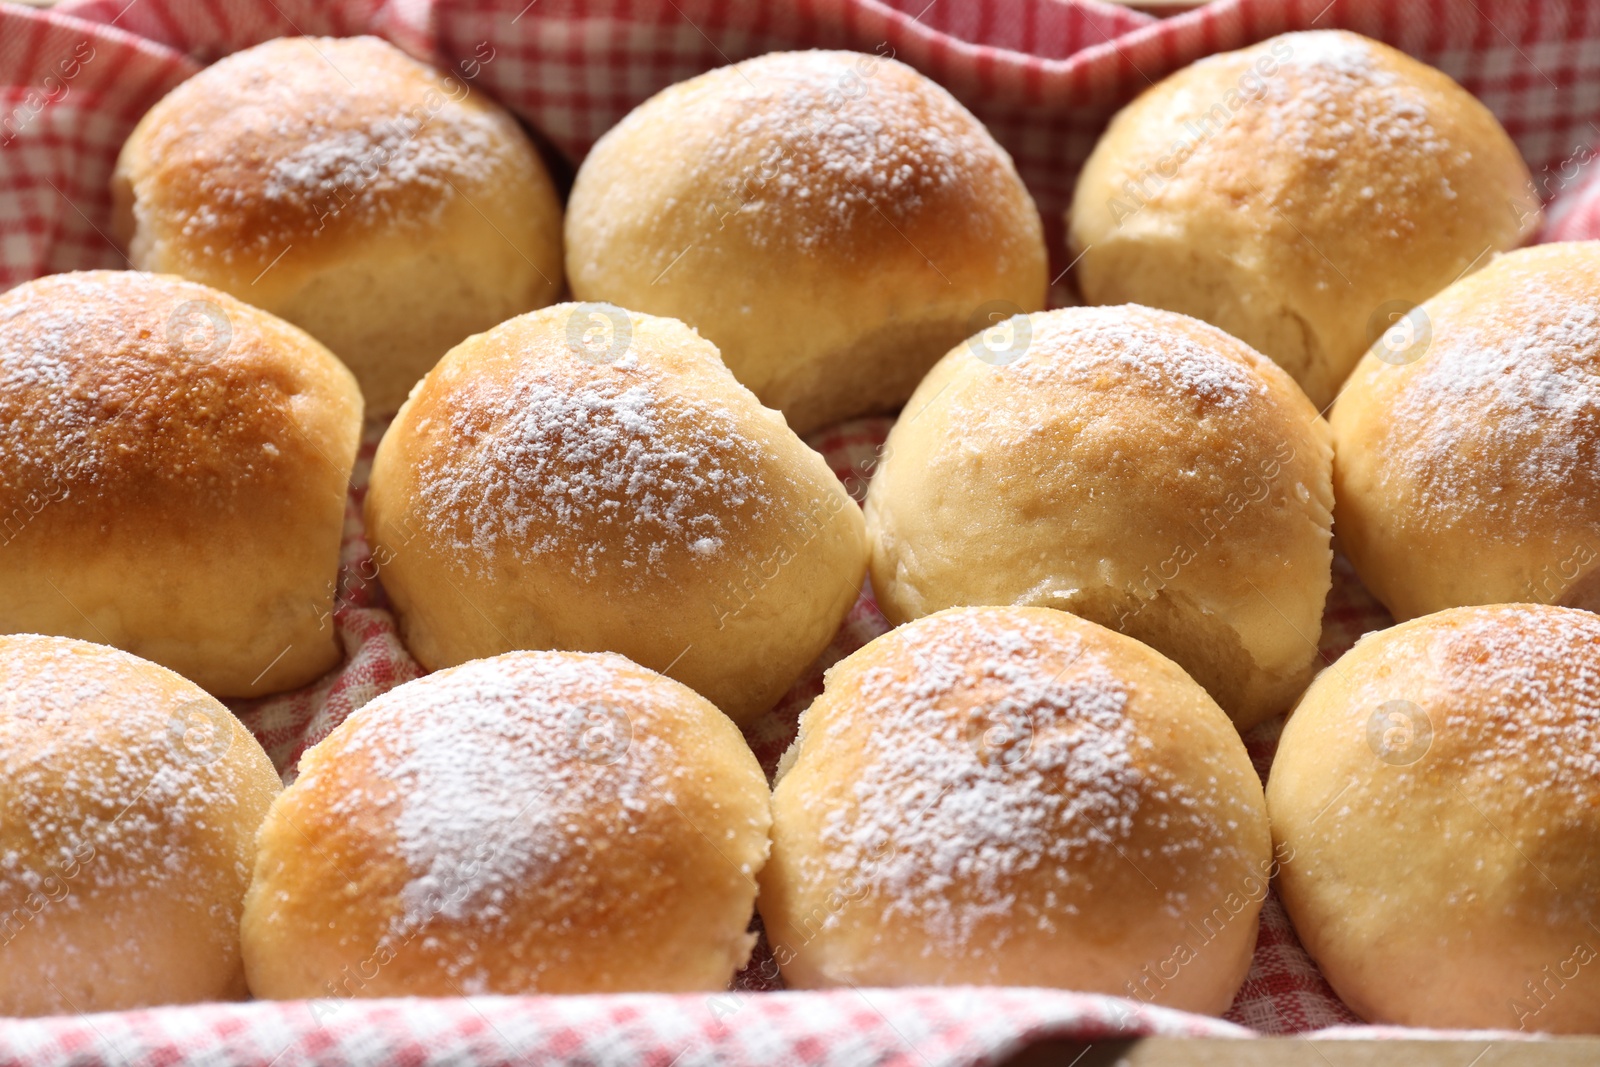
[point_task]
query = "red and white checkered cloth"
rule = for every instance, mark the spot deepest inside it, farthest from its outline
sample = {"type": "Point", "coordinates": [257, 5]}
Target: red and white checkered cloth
{"type": "Point", "coordinates": [1045, 75]}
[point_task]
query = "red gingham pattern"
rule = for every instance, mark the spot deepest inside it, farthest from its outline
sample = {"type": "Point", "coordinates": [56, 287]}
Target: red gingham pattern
{"type": "Point", "coordinates": [1045, 75]}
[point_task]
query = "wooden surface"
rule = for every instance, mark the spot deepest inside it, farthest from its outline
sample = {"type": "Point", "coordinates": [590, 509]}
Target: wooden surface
{"type": "Point", "coordinates": [1286, 1051]}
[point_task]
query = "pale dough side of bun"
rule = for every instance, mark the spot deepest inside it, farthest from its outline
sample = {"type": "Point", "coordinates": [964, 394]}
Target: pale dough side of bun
{"type": "Point", "coordinates": [632, 497]}
{"type": "Point", "coordinates": [1296, 191]}
{"type": "Point", "coordinates": [173, 475]}
{"type": "Point", "coordinates": [1135, 467]}
{"type": "Point", "coordinates": [382, 206]}
{"type": "Point", "coordinates": [1436, 800]}
{"type": "Point", "coordinates": [1013, 796]}
{"type": "Point", "coordinates": [129, 802]}
{"type": "Point", "coordinates": [1467, 464]}
{"type": "Point", "coordinates": [832, 221]}
{"type": "Point", "coordinates": [539, 822]}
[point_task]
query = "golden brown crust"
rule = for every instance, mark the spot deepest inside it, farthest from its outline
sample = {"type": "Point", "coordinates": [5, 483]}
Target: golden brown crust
{"type": "Point", "coordinates": [129, 801]}
{"type": "Point", "coordinates": [756, 201]}
{"type": "Point", "coordinates": [538, 822]}
{"type": "Point", "coordinates": [1132, 466]}
{"type": "Point", "coordinates": [1015, 796]}
{"type": "Point", "coordinates": [1435, 790]}
{"type": "Point", "coordinates": [532, 496]}
{"type": "Point", "coordinates": [167, 447]}
{"type": "Point", "coordinates": [1468, 457]}
{"type": "Point", "coordinates": [343, 185]}
{"type": "Point", "coordinates": [1289, 192]}
{"type": "Point", "coordinates": [307, 139]}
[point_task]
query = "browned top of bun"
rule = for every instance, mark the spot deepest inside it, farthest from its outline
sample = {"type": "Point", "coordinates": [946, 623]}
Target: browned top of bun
{"type": "Point", "coordinates": [646, 470]}
{"type": "Point", "coordinates": [309, 137]}
{"type": "Point", "coordinates": [822, 154]}
{"type": "Point", "coordinates": [126, 395]}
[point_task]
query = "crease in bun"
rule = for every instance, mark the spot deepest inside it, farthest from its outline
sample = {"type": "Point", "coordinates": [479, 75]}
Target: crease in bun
{"type": "Point", "coordinates": [1135, 467]}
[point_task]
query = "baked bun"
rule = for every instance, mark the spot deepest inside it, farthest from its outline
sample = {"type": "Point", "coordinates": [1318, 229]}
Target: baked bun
{"type": "Point", "coordinates": [591, 479]}
{"type": "Point", "coordinates": [1013, 796]}
{"type": "Point", "coordinates": [547, 822]}
{"type": "Point", "coordinates": [1435, 802]}
{"type": "Point", "coordinates": [1468, 442]}
{"type": "Point", "coordinates": [833, 221]}
{"type": "Point", "coordinates": [173, 472]}
{"type": "Point", "coordinates": [1135, 467]}
{"type": "Point", "coordinates": [129, 802]}
{"type": "Point", "coordinates": [381, 205]}
{"type": "Point", "coordinates": [1300, 194]}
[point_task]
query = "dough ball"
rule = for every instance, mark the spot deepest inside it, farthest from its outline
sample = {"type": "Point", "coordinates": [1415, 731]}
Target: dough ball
{"type": "Point", "coordinates": [379, 204]}
{"type": "Point", "coordinates": [1013, 796]}
{"type": "Point", "coordinates": [129, 802]}
{"type": "Point", "coordinates": [174, 468]}
{"type": "Point", "coordinates": [593, 479]}
{"type": "Point", "coordinates": [1436, 802]}
{"type": "Point", "coordinates": [539, 822]}
{"type": "Point", "coordinates": [1135, 467]}
{"type": "Point", "coordinates": [1299, 193]}
{"type": "Point", "coordinates": [1467, 465]}
{"type": "Point", "coordinates": [833, 221]}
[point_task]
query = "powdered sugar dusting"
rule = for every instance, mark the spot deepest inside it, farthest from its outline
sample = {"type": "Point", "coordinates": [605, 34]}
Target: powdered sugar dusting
{"type": "Point", "coordinates": [1505, 409]}
{"type": "Point", "coordinates": [842, 136]}
{"type": "Point", "coordinates": [938, 807]}
{"type": "Point", "coordinates": [287, 140]}
{"type": "Point", "coordinates": [499, 780]}
{"type": "Point", "coordinates": [336, 162]}
{"type": "Point", "coordinates": [1342, 96]}
{"type": "Point", "coordinates": [98, 396]}
{"type": "Point", "coordinates": [100, 781]}
{"type": "Point", "coordinates": [612, 472]}
{"type": "Point", "coordinates": [67, 369]}
{"type": "Point", "coordinates": [1541, 666]}
{"type": "Point", "coordinates": [1081, 344]}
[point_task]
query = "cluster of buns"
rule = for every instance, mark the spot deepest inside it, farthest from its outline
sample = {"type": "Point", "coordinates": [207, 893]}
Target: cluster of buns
{"type": "Point", "coordinates": [1104, 535]}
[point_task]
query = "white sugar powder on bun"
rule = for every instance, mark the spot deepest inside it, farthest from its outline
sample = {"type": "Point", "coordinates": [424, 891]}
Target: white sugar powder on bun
{"type": "Point", "coordinates": [1135, 467]}
{"type": "Point", "coordinates": [174, 473]}
{"type": "Point", "coordinates": [1297, 193]}
{"type": "Point", "coordinates": [1439, 791]}
{"type": "Point", "coordinates": [1467, 466]}
{"type": "Point", "coordinates": [129, 802]}
{"type": "Point", "coordinates": [1013, 796]}
{"type": "Point", "coordinates": [377, 203]}
{"type": "Point", "coordinates": [539, 822]}
{"type": "Point", "coordinates": [589, 478]}
{"type": "Point", "coordinates": [832, 221]}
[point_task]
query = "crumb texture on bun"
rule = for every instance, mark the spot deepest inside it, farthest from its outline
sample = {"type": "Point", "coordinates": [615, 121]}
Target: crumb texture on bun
{"type": "Point", "coordinates": [1013, 796]}
{"type": "Point", "coordinates": [539, 822]}
{"type": "Point", "coordinates": [589, 478]}
{"type": "Point", "coordinates": [129, 802]}
{"type": "Point", "coordinates": [173, 476]}
{"type": "Point", "coordinates": [1295, 193]}
{"type": "Point", "coordinates": [1135, 467]}
{"type": "Point", "coordinates": [833, 221]}
{"type": "Point", "coordinates": [381, 205]}
{"type": "Point", "coordinates": [1467, 468]}
{"type": "Point", "coordinates": [1438, 794]}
